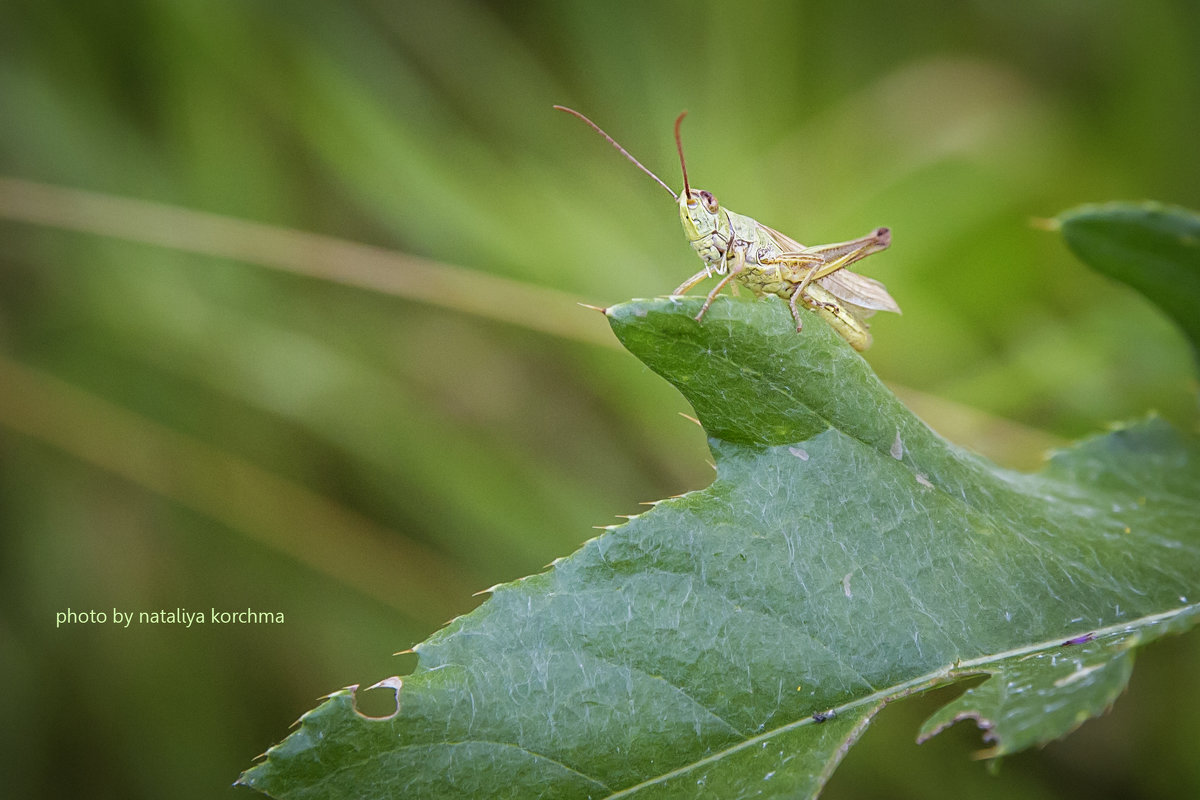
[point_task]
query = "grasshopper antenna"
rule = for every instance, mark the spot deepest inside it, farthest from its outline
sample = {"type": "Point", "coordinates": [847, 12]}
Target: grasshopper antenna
{"type": "Point", "coordinates": [622, 150]}
{"type": "Point", "coordinates": [687, 190]}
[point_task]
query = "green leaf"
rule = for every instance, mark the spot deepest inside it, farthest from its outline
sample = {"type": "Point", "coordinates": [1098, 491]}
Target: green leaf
{"type": "Point", "coordinates": [1153, 248]}
{"type": "Point", "coordinates": [736, 641]}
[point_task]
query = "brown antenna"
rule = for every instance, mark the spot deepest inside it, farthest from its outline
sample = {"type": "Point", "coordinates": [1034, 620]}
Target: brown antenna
{"type": "Point", "coordinates": [687, 190]}
{"type": "Point", "coordinates": [625, 152]}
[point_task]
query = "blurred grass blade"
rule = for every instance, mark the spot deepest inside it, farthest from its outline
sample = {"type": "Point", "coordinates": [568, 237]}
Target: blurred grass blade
{"type": "Point", "coordinates": [275, 512]}
{"type": "Point", "coordinates": [351, 263]}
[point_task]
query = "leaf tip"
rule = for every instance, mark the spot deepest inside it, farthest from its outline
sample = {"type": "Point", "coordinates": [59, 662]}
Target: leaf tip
{"type": "Point", "coordinates": [983, 723]}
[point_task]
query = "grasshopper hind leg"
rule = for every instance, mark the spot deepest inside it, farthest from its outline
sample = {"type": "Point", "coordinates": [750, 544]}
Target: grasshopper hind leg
{"type": "Point", "coordinates": [798, 291]}
{"type": "Point", "coordinates": [795, 311]}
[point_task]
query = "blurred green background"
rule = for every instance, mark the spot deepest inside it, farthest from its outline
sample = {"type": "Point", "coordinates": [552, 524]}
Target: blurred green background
{"type": "Point", "coordinates": [288, 322]}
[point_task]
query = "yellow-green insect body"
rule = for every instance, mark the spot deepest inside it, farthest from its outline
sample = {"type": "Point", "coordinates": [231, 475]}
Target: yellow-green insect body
{"type": "Point", "coordinates": [767, 262]}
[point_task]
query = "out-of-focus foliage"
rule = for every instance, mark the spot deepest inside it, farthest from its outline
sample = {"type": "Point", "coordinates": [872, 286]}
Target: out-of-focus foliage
{"type": "Point", "coordinates": [1153, 248]}
{"type": "Point", "coordinates": [187, 422]}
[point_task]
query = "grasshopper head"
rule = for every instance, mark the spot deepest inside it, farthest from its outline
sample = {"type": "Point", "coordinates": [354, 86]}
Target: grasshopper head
{"type": "Point", "coordinates": [699, 213]}
{"type": "Point", "coordinates": [698, 209]}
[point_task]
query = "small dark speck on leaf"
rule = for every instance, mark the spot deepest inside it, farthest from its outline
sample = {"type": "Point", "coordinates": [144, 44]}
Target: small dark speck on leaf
{"type": "Point", "coordinates": [824, 716]}
{"type": "Point", "coordinates": [1087, 637]}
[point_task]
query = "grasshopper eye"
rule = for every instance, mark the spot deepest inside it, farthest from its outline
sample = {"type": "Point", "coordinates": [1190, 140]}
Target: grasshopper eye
{"type": "Point", "coordinates": [710, 202]}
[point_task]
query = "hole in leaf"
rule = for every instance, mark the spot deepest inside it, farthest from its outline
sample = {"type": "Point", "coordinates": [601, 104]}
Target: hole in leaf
{"type": "Point", "coordinates": [381, 701]}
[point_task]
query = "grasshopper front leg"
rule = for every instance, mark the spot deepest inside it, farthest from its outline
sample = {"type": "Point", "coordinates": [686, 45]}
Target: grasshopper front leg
{"type": "Point", "coordinates": [692, 281]}
{"type": "Point", "coordinates": [738, 247]}
{"type": "Point", "coordinates": [709, 267]}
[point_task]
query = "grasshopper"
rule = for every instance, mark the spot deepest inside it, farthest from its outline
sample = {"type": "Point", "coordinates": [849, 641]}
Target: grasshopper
{"type": "Point", "coordinates": [764, 260]}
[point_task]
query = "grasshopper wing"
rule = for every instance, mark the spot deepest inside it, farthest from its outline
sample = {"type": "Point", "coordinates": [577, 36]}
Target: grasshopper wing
{"type": "Point", "coordinates": [859, 290]}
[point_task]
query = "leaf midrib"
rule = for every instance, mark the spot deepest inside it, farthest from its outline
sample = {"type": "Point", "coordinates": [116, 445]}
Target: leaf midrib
{"type": "Point", "coordinates": [956, 671]}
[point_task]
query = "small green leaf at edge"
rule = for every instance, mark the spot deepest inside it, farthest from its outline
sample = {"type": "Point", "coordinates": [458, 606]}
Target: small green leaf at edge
{"type": "Point", "coordinates": [1152, 247]}
{"type": "Point", "coordinates": [737, 640]}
